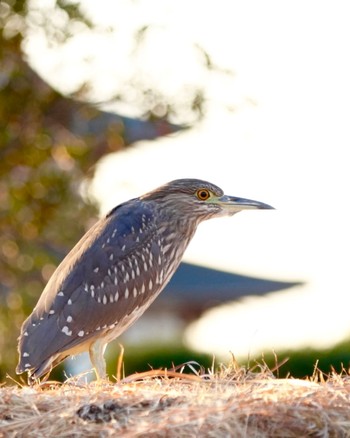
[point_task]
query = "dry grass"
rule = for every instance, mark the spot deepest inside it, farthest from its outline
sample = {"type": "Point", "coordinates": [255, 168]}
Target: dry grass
{"type": "Point", "coordinates": [230, 403]}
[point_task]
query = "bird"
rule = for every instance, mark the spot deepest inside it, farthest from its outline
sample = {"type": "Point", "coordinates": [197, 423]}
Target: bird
{"type": "Point", "coordinates": [114, 273]}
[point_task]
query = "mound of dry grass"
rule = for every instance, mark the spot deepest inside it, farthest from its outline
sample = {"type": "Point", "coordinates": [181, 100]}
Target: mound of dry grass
{"type": "Point", "coordinates": [232, 402]}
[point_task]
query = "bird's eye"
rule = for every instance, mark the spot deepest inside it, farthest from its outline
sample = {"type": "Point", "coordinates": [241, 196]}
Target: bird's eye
{"type": "Point", "coordinates": [203, 194]}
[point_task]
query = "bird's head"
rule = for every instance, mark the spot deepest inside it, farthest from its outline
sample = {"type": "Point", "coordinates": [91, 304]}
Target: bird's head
{"type": "Point", "coordinates": [199, 200]}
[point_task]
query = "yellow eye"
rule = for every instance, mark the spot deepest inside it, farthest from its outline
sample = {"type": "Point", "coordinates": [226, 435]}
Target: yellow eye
{"type": "Point", "coordinates": [203, 194]}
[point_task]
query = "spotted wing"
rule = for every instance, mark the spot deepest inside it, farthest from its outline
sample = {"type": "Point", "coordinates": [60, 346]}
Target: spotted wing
{"type": "Point", "coordinates": [114, 270]}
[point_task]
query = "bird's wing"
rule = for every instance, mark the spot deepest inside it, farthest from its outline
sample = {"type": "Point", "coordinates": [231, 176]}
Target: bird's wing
{"type": "Point", "coordinates": [105, 277]}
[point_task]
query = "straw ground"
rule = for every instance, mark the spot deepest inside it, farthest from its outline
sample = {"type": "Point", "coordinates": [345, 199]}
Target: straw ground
{"type": "Point", "coordinates": [231, 402]}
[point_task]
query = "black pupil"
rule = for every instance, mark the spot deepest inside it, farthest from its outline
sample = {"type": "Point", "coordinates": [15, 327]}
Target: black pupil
{"type": "Point", "coordinates": [203, 194]}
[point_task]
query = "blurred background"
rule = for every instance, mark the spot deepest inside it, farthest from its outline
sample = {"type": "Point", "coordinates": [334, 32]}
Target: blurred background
{"type": "Point", "coordinates": [102, 101]}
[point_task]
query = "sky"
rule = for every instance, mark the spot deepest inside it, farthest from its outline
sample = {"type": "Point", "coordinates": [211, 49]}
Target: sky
{"type": "Point", "coordinates": [276, 130]}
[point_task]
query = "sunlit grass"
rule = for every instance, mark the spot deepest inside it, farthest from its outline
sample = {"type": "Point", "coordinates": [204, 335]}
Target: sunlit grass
{"type": "Point", "coordinates": [220, 401]}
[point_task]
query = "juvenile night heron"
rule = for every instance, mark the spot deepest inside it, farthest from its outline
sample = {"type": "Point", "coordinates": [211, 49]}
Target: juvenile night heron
{"type": "Point", "coordinates": [116, 271]}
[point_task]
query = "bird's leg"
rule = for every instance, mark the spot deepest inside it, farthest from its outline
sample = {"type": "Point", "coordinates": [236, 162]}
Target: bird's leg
{"type": "Point", "coordinates": [96, 351]}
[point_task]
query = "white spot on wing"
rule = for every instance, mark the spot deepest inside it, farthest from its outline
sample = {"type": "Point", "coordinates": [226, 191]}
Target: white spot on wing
{"type": "Point", "coordinates": [126, 293]}
{"type": "Point", "coordinates": [166, 248]}
{"type": "Point", "coordinates": [69, 302]}
{"type": "Point", "coordinates": [66, 331]}
{"type": "Point", "coordinates": [69, 319]}
{"type": "Point", "coordinates": [81, 333]}
{"type": "Point", "coordinates": [25, 354]}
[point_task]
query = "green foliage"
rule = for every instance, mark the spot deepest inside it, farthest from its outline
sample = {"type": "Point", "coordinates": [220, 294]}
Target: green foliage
{"type": "Point", "coordinates": [307, 362]}
{"type": "Point", "coordinates": [301, 364]}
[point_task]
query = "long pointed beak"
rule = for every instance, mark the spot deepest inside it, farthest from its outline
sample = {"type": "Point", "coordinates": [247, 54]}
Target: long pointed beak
{"type": "Point", "coordinates": [232, 204]}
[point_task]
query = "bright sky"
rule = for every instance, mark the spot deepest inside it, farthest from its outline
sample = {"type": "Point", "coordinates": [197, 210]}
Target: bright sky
{"type": "Point", "coordinates": [286, 144]}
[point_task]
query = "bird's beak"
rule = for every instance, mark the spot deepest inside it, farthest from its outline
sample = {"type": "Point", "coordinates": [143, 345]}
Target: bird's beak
{"type": "Point", "coordinates": [232, 204]}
